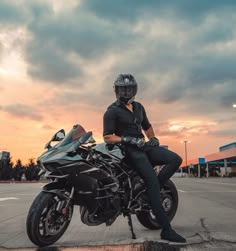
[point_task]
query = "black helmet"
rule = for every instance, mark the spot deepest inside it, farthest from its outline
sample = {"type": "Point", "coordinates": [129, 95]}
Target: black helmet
{"type": "Point", "coordinates": [125, 88]}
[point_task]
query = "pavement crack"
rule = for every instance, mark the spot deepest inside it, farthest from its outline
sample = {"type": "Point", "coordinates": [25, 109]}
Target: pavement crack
{"type": "Point", "coordinates": [225, 241]}
{"type": "Point", "coordinates": [207, 239]}
{"type": "Point", "coordinates": [199, 235]}
{"type": "Point", "coordinates": [206, 230]}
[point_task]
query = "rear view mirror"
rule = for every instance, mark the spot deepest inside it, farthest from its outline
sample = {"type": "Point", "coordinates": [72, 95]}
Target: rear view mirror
{"type": "Point", "coordinates": [59, 136]}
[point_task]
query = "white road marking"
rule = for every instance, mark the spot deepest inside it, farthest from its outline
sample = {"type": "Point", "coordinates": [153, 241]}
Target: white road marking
{"type": "Point", "coordinates": [9, 198]}
{"type": "Point", "coordinates": [218, 183]}
{"type": "Point", "coordinates": [182, 191]}
{"type": "Point", "coordinates": [201, 191]}
{"type": "Point", "coordinates": [21, 194]}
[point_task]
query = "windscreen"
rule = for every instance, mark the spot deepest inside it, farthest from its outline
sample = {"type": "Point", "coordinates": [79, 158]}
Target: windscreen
{"type": "Point", "coordinates": [74, 134]}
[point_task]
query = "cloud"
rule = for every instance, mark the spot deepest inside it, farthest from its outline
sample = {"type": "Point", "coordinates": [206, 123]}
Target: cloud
{"type": "Point", "coordinates": [61, 46]}
{"type": "Point", "coordinates": [181, 53]}
{"type": "Point", "coordinates": [48, 127]}
{"type": "Point", "coordinates": [10, 14]}
{"type": "Point", "coordinates": [180, 129]}
{"type": "Point", "coordinates": [1, 50]}
{"type": "Point", "coordinates": [22, 111]}
{"type": "Point", "coordinates": [209, 68]}
{"type": "Point", "coordinates": [224, 132]}
{"type": "Point", "coordinates": [50, 64]}
{"type": "Point", "coordinates": [132, 11]}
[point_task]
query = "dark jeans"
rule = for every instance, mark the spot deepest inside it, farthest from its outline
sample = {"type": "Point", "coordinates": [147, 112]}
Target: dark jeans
{"type": "Point", "coordinates": [143, 160]}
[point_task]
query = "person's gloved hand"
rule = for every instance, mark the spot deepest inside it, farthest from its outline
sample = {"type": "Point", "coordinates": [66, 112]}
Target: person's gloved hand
{"type": "Point", "coordinates": [139, 142]}
{"type": "Point", "coordinates": [153, 142]}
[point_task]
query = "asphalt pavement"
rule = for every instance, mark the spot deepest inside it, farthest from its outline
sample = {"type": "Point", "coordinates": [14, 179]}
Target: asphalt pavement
{"type": "Point", "coordinates": [206, 216]}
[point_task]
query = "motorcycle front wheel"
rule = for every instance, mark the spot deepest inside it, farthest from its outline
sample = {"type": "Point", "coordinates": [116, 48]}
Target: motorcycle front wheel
{"type": "Point", "coordinates": [48, 219]}
{"type": "Point", "coordinates": [169, 199]}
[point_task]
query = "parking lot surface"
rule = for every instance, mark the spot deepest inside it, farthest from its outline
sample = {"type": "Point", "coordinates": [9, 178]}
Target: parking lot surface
{"type": "Point", "coordinates": [206, 217]}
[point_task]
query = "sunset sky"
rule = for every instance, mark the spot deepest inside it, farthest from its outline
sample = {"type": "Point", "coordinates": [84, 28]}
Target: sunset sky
{"type": "Point", "coordinates": [59, 59]}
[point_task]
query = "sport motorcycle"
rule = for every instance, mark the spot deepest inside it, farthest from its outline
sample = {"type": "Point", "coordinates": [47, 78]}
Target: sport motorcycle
{"type": "Point", "coordinates": [96, 177]}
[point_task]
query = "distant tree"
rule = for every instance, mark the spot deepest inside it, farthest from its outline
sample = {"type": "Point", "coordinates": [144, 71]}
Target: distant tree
{"type": "Point", "coordinates": [32, 170]}
{"type": "Point", "coordinates": [18, 170]}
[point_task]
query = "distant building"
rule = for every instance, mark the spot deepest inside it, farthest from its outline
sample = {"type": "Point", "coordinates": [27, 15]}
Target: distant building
{"type": "Point", "coordinates": [5, 167]}
{"type": "Point", "coordinates": [4, 155]}
{"type": "Point", "coordinates": [222, 162]}
{"type": "Point", "coordinates": [228, 146]}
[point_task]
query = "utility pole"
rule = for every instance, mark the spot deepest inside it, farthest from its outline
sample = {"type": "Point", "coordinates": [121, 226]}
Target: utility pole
{"type": "Point", "coordinates": [186, 154]}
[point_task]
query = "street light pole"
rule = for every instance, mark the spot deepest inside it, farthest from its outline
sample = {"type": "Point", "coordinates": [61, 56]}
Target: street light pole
{"type": "Point", "coordinates": [186, 156]}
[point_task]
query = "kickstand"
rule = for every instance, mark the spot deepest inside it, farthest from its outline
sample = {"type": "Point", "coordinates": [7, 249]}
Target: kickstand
{"type": "Point", "coordinates": [131, 226]}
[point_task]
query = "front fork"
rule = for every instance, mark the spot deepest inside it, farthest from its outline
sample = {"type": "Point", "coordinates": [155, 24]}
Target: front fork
{"type": "Point", "coordinates": [62, 208]}
{"type": "Point", "coordinates": [62, 197]}
{"type": "Point", "coordinates": [68, 201]}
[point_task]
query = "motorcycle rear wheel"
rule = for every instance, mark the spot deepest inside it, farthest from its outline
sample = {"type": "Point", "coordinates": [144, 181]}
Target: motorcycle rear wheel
{"type": "Point", "coordinates": [170, 202]}
{"type": "Point", "coordinates": [45, 225]}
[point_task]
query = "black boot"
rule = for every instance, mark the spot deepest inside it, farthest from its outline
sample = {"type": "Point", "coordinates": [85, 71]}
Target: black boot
{"type": "Point", "coordinates": [169, 234]}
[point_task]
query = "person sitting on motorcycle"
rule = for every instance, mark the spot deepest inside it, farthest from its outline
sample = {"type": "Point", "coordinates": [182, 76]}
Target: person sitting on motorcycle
{"type": "Point", "coordinates": [123, 123]}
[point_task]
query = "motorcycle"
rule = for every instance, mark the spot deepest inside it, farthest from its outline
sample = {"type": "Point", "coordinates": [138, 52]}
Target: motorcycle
{"type": "Point", "coordinates": [95, 177]}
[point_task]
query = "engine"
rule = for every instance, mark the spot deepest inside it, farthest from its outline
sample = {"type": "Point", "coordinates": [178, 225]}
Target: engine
{"type": "Point", "coordinates": [113, 189]}
{"type": "Point", "coordinates": [98, 197]}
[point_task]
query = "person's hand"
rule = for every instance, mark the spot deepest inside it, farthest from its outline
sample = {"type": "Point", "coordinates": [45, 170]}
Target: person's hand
{"type": "Point", "coordinates": [153, 142]}
{"type": "Point", "coordinates": [139, 142]}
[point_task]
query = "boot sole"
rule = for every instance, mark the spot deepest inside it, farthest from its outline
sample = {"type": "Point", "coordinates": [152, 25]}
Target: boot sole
{"type": "Point", "coordinates": [172, 243]}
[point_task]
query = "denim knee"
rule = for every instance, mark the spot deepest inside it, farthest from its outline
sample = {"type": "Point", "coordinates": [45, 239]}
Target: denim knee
{"type": "Point", "coordinates": [177, 161]}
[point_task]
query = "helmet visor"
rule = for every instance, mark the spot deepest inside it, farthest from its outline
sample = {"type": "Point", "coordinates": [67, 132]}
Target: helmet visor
{"type": "Point", "coordinates": [126, 91]}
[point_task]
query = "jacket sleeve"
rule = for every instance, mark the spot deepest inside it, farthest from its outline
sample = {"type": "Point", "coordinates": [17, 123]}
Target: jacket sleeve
{"type": "Point", "coordinates": [109, 120]}
{"type": "Point", "coordinates": [145, 123]}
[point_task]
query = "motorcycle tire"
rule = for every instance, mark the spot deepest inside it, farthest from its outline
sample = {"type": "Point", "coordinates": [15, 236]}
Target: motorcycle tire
{"type": "Point", "coordinates": [170, 196]}
{"type": "Point", "coordinates": [36, 223]}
